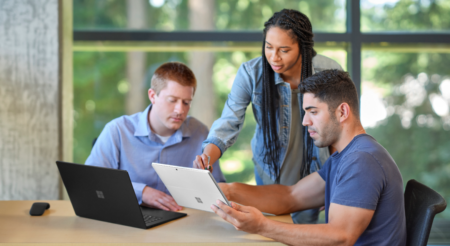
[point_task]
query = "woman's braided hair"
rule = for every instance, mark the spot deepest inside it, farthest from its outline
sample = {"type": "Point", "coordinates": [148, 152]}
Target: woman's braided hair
{"type": "Point", "coordinates": [300, 29]}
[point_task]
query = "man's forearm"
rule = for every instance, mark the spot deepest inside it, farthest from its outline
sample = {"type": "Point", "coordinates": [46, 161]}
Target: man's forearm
{"type": "Point", "coordinates": [275, 199]}
{"type": "Point", "coordinates": [294, 234]}
{"type": "Point", "coordinates": [280, 199]}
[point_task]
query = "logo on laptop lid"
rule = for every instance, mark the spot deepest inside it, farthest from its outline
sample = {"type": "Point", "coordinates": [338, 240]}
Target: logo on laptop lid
{"type": "Point", "coordinates": [100, 194]}
{"type": "Point", "coordinates": [199, 200]}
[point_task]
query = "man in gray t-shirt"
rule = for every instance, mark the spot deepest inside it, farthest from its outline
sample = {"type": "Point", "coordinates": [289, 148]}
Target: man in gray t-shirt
{"type": "Point", "coordinates": [359, 185]}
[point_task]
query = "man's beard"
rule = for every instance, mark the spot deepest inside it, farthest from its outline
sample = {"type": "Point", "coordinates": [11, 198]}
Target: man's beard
{"type": "Point", "coordinates": [329, 134]}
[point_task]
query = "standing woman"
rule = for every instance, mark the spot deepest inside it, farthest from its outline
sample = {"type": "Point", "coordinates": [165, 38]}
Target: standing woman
{"type": "Point", "coordinates": [283, 151]}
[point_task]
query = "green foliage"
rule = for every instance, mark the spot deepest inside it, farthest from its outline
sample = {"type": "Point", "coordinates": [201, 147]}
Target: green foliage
{"type": "Point", "coordinates": [415, 136]}
{"type": "Point", "coordinates": [407, 15]}
{"type": "Point", "coordinates": [96, 97]}
{"type": "Point", "coordinates": [326, 15]}
{"type": "Point", "coordinates": [251, 15]}
{"type": "Point", "coordinates": [420, 147]}
{"type": "Point", "coordinates": [88, 14]}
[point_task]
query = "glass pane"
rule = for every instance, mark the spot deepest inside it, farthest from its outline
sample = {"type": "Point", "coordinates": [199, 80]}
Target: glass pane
{"type": "Point", "coordinates": [405, 15]}
{"type": "Point", "coordinates": [102, 91]}
{"type": "Point", "coordinates": [176, 15]}
{"type": "Point", "coordinates": [405, 105]}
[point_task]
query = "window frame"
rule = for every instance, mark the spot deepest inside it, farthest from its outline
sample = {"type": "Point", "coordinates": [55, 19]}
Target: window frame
{"type": "Point", "coordinates": [353, 37]}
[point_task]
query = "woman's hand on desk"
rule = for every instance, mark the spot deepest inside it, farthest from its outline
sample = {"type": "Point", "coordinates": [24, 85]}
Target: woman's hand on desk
{"type": "Point", "coordinates": [158, 199]}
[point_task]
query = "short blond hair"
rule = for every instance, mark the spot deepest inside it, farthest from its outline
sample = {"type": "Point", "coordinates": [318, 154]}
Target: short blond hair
{"type": "Point", "coordinates": [175, 71]}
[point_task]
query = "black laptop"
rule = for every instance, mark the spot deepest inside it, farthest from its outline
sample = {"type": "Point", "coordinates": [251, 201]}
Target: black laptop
{"type": "Point", "coordinates": [107, 194]}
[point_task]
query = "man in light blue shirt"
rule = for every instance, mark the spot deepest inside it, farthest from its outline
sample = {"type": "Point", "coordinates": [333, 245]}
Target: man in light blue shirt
{"type": "Point", "coordinates": [162, 133]}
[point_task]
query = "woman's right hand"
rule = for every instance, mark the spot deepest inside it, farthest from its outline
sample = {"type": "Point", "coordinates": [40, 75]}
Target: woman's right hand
{"type": "Point", "coordinates": [203, 162]}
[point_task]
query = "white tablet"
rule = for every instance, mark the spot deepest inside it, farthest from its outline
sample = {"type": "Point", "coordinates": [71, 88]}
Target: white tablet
{"type": "Point", "coordinates": [190, 187]}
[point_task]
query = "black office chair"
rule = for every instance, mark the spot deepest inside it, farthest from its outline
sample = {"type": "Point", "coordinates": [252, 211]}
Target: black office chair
{"type": "Point", "coordinates": [421, 205]}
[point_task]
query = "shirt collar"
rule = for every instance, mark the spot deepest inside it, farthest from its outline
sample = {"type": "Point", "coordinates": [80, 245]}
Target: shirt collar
{"type": "Point", "coordinates": [185, 129]}
{"type": "Point", "coordinates": [278, 79]}
{"type": "Point", "coordinates": [143, 128]}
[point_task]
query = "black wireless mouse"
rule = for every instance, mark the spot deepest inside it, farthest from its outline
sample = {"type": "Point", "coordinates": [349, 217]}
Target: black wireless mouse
{"type": "Point", "coordinates": [38, 208]}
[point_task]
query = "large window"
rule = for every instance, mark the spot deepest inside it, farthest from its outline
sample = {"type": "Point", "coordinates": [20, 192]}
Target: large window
{"type": "Point", "coordinates": [405, 16]}
{"type": "Point", "coordinates": [176, 15]}
{"type": "Point", "coordinates": [101, 87]}
{"type": "Point", "coordinates": [405, 105]}
{"type": "Point", "coordinates": [396, 51]}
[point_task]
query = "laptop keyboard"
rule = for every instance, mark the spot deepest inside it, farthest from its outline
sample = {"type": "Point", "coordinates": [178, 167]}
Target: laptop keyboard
{"type": "Point", "coordinates": [150, 219]}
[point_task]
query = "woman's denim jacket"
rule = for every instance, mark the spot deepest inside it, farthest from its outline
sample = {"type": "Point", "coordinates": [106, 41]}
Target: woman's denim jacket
{"type": "Point", "coordinates": [247, 87]}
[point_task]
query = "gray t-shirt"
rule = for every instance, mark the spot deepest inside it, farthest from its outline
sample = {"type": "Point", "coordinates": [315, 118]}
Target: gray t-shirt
{"type": "Point", "coordinates": [290, 170]}
{"type": "Point", "coordinates": [364, 175]}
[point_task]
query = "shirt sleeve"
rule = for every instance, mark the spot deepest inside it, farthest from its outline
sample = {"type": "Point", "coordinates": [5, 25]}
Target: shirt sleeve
{"type": "Point", "coordinates": [217, 171]}
{"type": "Point", "coordinates": [359, 181]}
{"type": "Point", "coordinates": [225, 130]}
{"type": "Point", "coordinates": [323, 172]}
{"type": "Point", "coordinates": [138, 189]}
{"type": "Point", "coordinates": [106, 153]}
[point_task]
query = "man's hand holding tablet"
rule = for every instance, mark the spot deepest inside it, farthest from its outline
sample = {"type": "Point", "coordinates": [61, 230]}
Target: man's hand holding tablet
{"type": "Point", "coordinates": [243, 218]}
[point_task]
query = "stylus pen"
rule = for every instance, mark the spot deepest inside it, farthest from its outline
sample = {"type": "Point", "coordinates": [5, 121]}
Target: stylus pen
{"type": "Point", "coordinates": [209, 167]}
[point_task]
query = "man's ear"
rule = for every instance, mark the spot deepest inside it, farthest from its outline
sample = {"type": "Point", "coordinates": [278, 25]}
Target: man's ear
{"type": "Point", "coordinates": [343, 112]}
{"type": "Point", "coordinates": [152, 95]}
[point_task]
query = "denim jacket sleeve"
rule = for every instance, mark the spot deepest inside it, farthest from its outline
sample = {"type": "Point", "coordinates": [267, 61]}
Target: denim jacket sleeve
{"type": "Point", "coordinates": [225, 130]}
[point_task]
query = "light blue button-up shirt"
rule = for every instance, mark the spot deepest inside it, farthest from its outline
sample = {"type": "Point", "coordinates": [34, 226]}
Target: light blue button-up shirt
{"type": "Point", "coordinates": [127, 143]}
